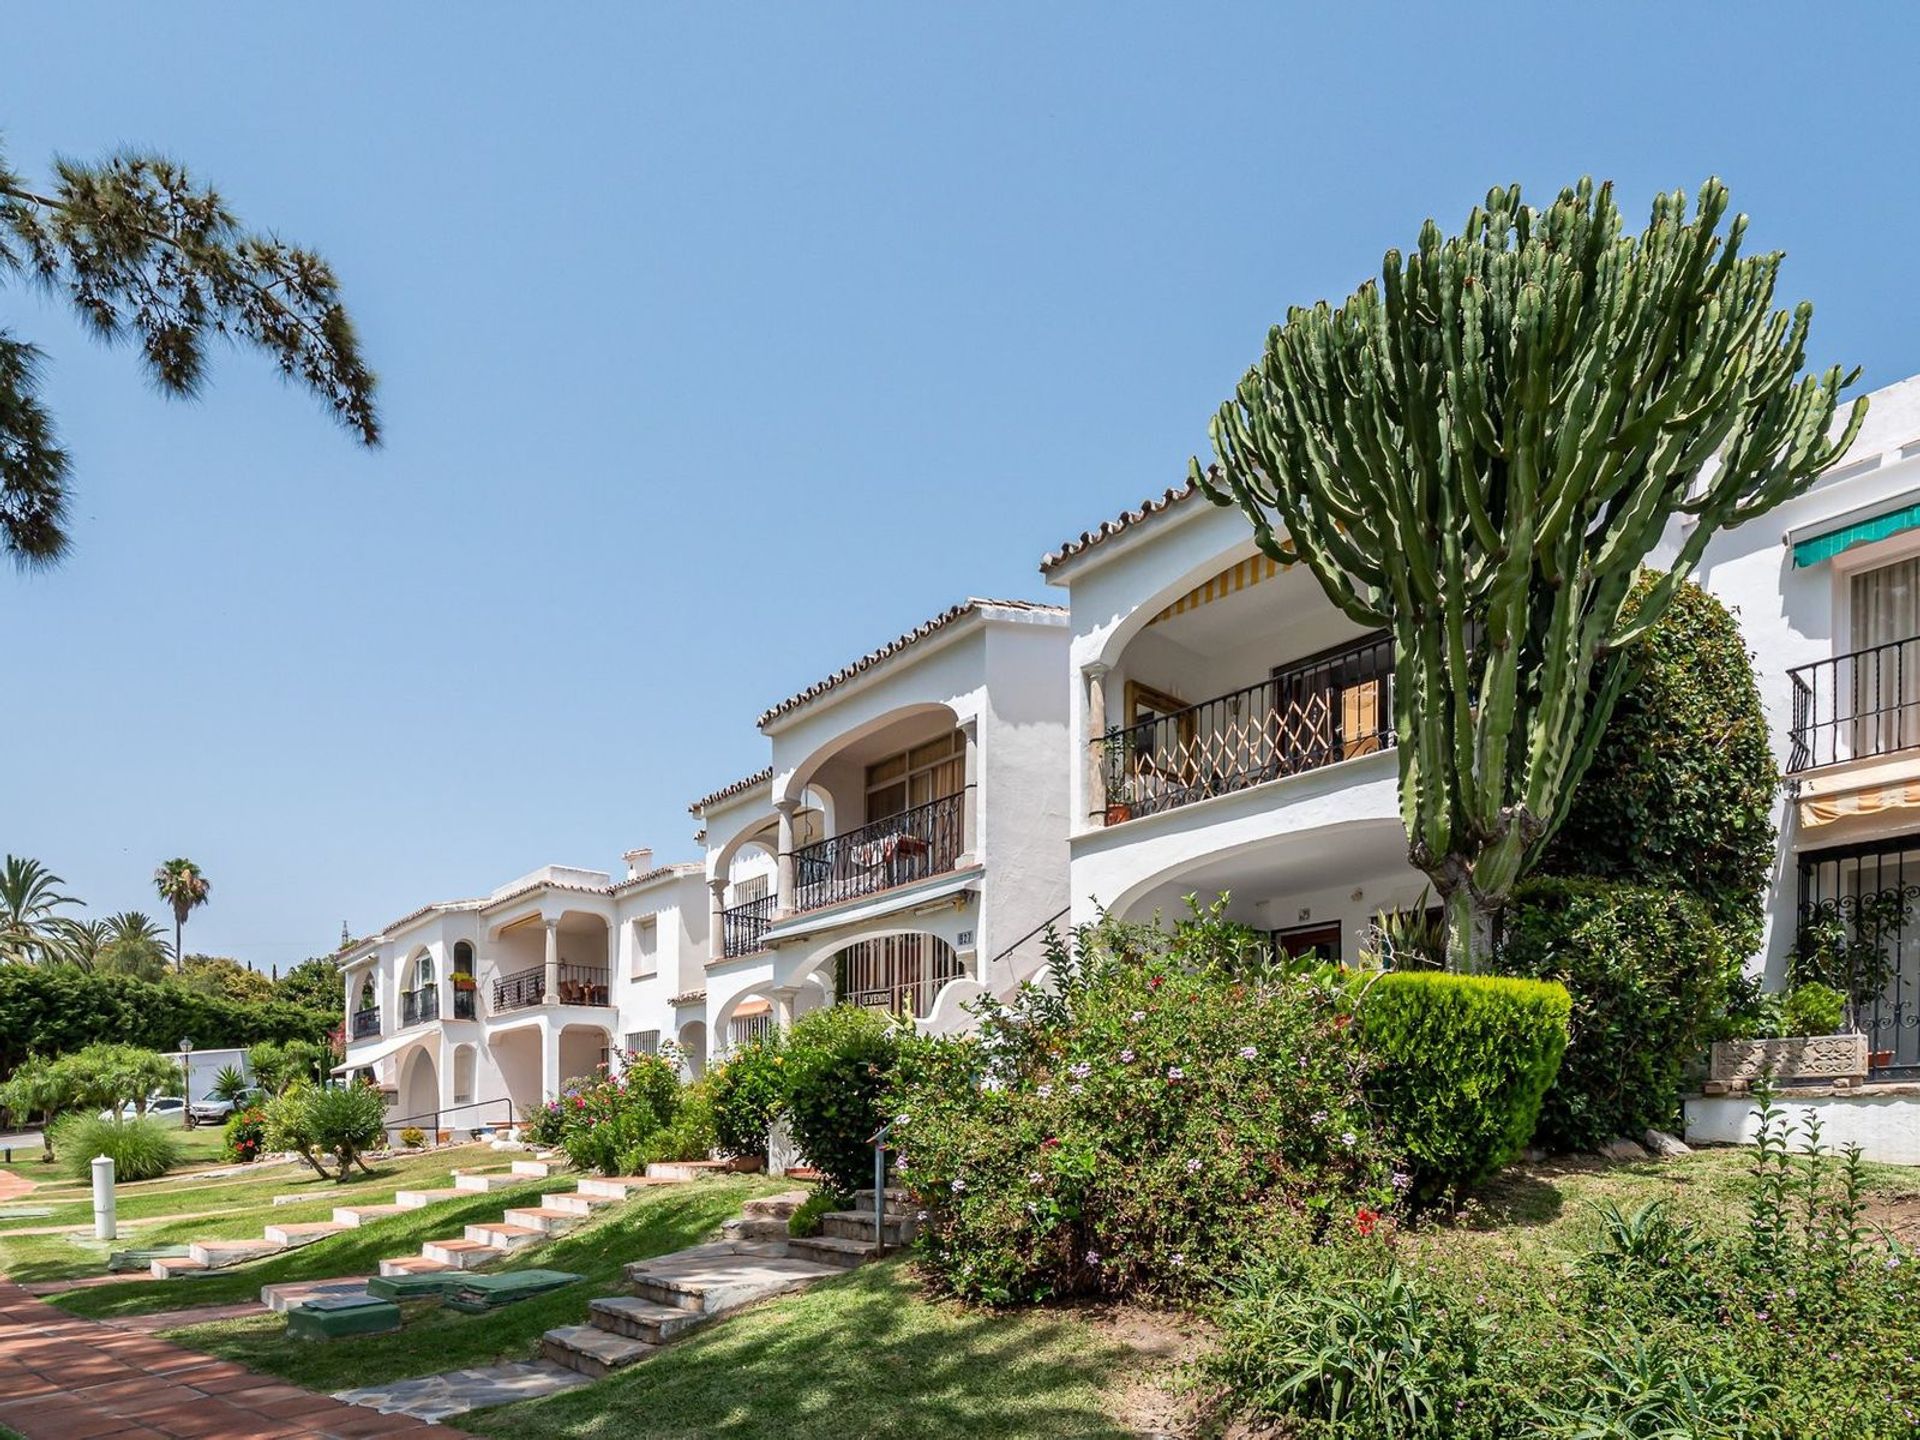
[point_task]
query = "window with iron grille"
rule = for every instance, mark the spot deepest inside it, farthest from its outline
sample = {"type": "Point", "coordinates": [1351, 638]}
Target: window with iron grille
{"type": "Point", "coordinates": [1859, 925]}
{"type": "Point", "coordinates": [643, 1042]}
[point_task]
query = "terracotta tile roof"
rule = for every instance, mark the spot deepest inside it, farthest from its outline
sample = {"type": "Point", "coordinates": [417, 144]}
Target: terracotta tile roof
{"type": "Point", "coordinates": [1125, 521]}
{"type": "Point", "coordinates": [683, 867]}
{"type": "Point", "coordinates": [895, 646]}
{"type": "Point", "coordinates": [727, 792]}
{"type": "Point", "coordinates": [498, 900]}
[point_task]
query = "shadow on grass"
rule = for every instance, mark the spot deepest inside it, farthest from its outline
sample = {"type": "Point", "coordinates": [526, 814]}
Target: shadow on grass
{"type": "Point", "coordinates": [1515, 1199]}
{"type": "Point", "coordinates": [866, 1355]}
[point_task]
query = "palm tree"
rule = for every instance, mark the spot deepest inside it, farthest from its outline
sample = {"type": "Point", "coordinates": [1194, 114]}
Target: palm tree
{"type": "Point", "coordinates": [80, 942]}
{"type": "Point", "coordinates": [29, 900]}
{"type": "Point", "coordinates": [182, 886]}
{"type": "Point", "coordinates": [134, 945]}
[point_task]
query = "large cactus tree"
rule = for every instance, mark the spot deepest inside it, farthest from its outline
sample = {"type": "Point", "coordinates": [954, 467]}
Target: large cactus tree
{"type": "Point", "coordinates": [1480, 450]}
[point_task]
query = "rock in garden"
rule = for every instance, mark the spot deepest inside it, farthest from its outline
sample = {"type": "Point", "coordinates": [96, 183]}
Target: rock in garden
{"type": "Point", "coordinates": [1660, 1142]}
{"type": "Point", "coordinates": [1621, 1148]}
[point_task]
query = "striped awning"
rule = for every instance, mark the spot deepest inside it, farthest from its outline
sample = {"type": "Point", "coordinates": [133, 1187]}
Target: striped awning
{"type": "Point", "coordinates": [1851, 531]}
{"type": "Point", "coordinates": [1250, 571]}
{"type": "Point", "coordinates": [1877, 788]}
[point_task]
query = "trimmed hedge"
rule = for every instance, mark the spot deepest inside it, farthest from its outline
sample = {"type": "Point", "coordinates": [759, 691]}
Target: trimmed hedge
{"type": "Point", "coordinates": [1462, 1064]}
{"type": "Point", "coordinates": [1648, 971]}
{"type": "Point", "coordinates": [1681, 790]}
{"type": "Point", "coordinates": [50, 1010]}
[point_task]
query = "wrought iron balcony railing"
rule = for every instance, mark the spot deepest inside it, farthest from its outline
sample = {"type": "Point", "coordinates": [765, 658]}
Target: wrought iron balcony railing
{"type": "Point", "coordinates": [419, 1006]}
{"type": "Point", "coordinates": [466, 1004]}
{"type": "Point", "coordinates": [1313, 713]}
{"type": "Point", "coordinates": [520, 989]}
{"type": "Point", "coordinates": [1855, 706]}
{"type": "Point", "coordinates": [578, 985]}
{"type": "Point", "coordinates": [897, 850]}
{"type": "Point", "coordinates": [744, 926]}
{"type": "Point", "coordinates": [366, 1022]}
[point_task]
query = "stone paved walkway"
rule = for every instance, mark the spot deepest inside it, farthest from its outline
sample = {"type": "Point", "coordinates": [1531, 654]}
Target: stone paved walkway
{"type": "Point", "coordinates": [63, 1378]}
{"type": "Point", "coordinates": [435, 1397]}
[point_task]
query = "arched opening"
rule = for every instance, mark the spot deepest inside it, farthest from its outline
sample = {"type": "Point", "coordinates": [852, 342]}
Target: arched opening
{"type": "Point", "coordinates": [585, 1052]}
{"type": "Point", "coordinates": [693, 1048]}
{"type": "Point", "coordinates": [465, 1058]}
{"type": "Point", "coordinates": [899, 974]}
{"type": "Point", "coordinates": [419, 1098]}
{"type": "Point", "coordinates": [365, 1020]}
{"type": "Point", "coordinates": [465, 986]}
{"type": "Point", "coordinates": [753, 1018]}
{"type": "Point", "coordinates": [420, 1001]}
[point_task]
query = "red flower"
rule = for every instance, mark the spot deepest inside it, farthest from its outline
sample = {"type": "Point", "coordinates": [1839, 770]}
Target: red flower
{"type": "Point", "coordinates": [1340, 1022]}
{"type": "Point", "coordinates": [1364, 1220]}
{"type": "Point", "coordinates": [1156, 982]}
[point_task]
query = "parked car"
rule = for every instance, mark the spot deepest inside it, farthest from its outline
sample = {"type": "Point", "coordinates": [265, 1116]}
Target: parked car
{"type": "Point", "coordinates": [214, 1111]}
{"type": "Point", "coordinates": [167, 1109]}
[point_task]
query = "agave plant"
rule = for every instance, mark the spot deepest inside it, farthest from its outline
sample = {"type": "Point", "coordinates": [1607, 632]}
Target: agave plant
{"type": "Point", "coordinates": [30, 901]}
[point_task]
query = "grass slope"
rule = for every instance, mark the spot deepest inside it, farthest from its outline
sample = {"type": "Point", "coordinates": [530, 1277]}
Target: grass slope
{"type": "Point", "coordinates": [867, 1355]}
{"type": "Point", "coordinates": [653, 1223]}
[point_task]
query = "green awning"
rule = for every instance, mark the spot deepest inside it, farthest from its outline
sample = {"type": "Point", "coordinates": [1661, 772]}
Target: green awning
{"type": "Point", "coordinates": [1816, 548]}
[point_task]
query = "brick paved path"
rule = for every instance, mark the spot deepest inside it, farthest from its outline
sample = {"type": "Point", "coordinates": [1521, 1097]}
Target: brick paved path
{"type": "Point", "coordinates": [63, 1378]}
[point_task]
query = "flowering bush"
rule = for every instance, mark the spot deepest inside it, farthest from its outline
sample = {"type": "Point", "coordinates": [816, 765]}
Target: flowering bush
{"type": "Point", "coordinates": [839, 1063]}
{"type": "Point", "coordinates": [606, 1120]}
{"type": "Point", "coordinates": [1169, 1109]}
{"type": "Point", "coordinates": [749, 1090]}
{"type": "Point", "coordinates": [245, 1133]}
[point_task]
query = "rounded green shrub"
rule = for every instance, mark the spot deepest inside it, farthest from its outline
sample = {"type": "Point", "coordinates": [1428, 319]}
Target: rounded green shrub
{"type": "Point", "coordinates": [1649, 973]}
{"type": "Point", "coordinates": [1812, 1009]}
{"type": "Point", "coordinates": [606, 1123]}
{"type": "Point", "coordinates": [839, 1062]}
{"type": "Point", "coordinates": [1462, 1063]}
{"type": "Point", "coordinates": [689, 1133]}
{"type": "Point", "coordinates": [749, 1091]}
{"type": "Point", "coordinates": [140, 1149]}
{"type": "Point", "coordinates": [1680, 793]}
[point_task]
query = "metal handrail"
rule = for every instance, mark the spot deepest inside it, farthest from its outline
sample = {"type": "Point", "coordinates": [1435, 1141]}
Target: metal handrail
{"type": "Point", "coordinates": [744, 926]}
{"type": "Point", "coordinates": [1852, 706]}
{"type": "Point", "coordinates": [435, 1115]}
{"type": "Point", "coordinates": [894, 850]}
{"type": "Point", "coordinates": [879, 1142]}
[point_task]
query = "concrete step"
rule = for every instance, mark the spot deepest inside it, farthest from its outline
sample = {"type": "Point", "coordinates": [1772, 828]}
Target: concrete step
{"type": "Point", "coordinates": [175, 1265]}
{"type": "Point", "coordinates": [640, 1319]}
{"type": "Point", "coordinates": [828, 1250]}
{"type": "Point", "coordinates": [282, 1298]}
{"type": "Point", "coordinates": [542, 1219]}
{"type": "Point", "coordinates": [503, 1235]}
{"type": "Point", "coordinates": [413, 1265]}
{"type": "Point", "coordinates": [898, 1201]}
{"type": "Point", "coordinates": [688, 1169]}
{"type": "Point", "coordinates": [354, 1216]}
{"type": "Point", "coordinates": [538, 1169]}
{"type": "Point", "coordinates": [709, 1279]}
{"type": "Point", "coordinates": [463, 1254]}
{"type": "Point", "coordinates": [217, 1253]}
{"type": "Point", "coordinates": [420, 1199]}
{"type": "Point", "coordinates": [896, 1229]}
{"type": "Point", "coordinates": [487, 1181]}
{"type": "Point", "coordinates": [614, 1187]}
{"type": "Point", "coordinates": [774, 1207]}
{"type": "Point", "coordinates": [574, 1203]}
{"type": "Point", "coordinates": [288, 1236]}
{"type": "Point", "coordinates": [591, 1351]}
{"type": "Point", "coordinates": [754, 1228]}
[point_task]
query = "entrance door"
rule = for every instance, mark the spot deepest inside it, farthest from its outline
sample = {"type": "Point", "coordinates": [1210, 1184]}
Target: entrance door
{"type": "Point", "coordinates": [1308, 942]}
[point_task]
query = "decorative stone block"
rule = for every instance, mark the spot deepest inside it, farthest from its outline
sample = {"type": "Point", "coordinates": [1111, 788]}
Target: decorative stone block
{"type": "Point", "coordinates": [1797, 1059]}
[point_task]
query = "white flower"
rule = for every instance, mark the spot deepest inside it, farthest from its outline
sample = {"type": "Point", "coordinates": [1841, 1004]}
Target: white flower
{"type": "Point", "coordinates": [1174, 1072]}
{"type": "Point", "coordinates": [900, 1119]}
{"type": "Point", "coordinates": [1349, 1139]}
{"type": "Point", "coordinates": [1126, 1057]}
{"type": "Point", "coordinates": [1193, 1167]}
{"type": "Point", "coordinates": [1076, 1089]}
{"type": "Point", "coordinates": [993, 1082]}
{"type": "Point", "coordinates": [1033, 1177]}
{"type": "Point", "coordinates": [1247, 1052]}
{"type": "Point", "coordinates": [1138, 1016]}
{"type": "Point", "coordinates": [1093, 1257]}
{"type": "Point", "coordinates": [959, 1185]}
{"type": "Point", "coordinates": [1080, 1071]}
{"type": "Point", "coordinates": [1318, 1117]}
{"type": "Point", "coordinates": [1177, 1259]}
{"type": "Point", "coordinates": [1043, 1091]}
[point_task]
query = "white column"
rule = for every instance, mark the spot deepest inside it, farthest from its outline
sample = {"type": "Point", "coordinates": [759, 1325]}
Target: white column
{"type": "Point", "coordinates": [549, 1060]}
{"type": "Point", "coordinates": [783, 1009]}
{"type": "Point", "coordinates": [717, 941]}
{"type": "Point", "coordinates": [970, 795]}
{"type": "Point", "coordinates": [1096, 778]}
{"type": "Point", "coordinates": [783, 893]}
{"type": "Point", "coordinates": [551, 982]}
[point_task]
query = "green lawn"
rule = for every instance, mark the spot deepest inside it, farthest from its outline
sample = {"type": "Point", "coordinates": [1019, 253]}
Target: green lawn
{"type": "Point", "coordinates": [652, 1223]}
{"type": "Point", "coordinates": [867, 1355]}
{"type": "Point", "coordinates": [199, 1146]}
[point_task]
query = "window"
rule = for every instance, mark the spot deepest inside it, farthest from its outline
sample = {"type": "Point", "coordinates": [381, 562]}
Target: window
{"type": "Point", "coordinates": [1882, 682]}
{"type": "Point", "coordinates": [751, 1020]}
{"type": "Point", "coordinates": [917, 777]}
{"type": "Point", "coordinates": [423, 973]}
{"type": "Point", "coordinates": [754, 887]}
{"type": "Point", "coordinates": [646, 949]}
{"type": "Point", "coordinates": [462, 958]}
{"type": "Point", "coordinates": [643, 1042]}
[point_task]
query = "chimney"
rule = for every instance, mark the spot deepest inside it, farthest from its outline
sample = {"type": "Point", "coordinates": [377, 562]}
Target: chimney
{"type": "Point", "coordinates": [638, 861]}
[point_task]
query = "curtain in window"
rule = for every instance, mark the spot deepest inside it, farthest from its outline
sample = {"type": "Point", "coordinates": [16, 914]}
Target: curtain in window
{"type": "Point", "coordinates": [1882, 681]}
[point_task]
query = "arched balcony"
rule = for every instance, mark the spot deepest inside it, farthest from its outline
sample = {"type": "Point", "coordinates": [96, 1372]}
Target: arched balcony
{"type": "Point", "coordinates": [558, 959]}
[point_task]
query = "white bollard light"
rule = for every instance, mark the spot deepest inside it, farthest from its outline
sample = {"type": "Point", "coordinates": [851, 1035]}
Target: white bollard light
{"type": "Point", "coordinates": [103, 1222]}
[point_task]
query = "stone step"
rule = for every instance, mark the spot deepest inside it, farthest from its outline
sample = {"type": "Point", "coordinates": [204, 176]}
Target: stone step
{"type": "Point", "coordinates": [828, 1250]}
{"type": "Point", "coordinates": [687, 1169]}
{"type": "Point", "coordinates": [641, 1319]}
{"type": "Point", "coordinates": [774, 1207]}
{"type": "Point", "coordinates": [487, 1181]}
{"type": "Point", "coordinates": [288, 1236]}
{"type": "Point", "coordinates": [216, 1253]}
{"type": "Point", "coordinates": [542, 1219]}
{"type": "Point", "coordinates": [538, 1169]}
{"type": "Point", "coordinates": [420, 1199]}
{"type": "Point", "coordinates": [896, 1229]}
{"type": "Point", "coordinates": [709, 1279]}
{"type": "Point", "coordinates": [462, 1254]}
{"type": "Point", "coordinates": [897, 1202]}
{"type": "Point", "coordinates": [282, 1298]}
{"type": "Point", "coordinates": [170, 1266]}
{"type": "Point", "coordinates": [614, 1187]}
{"type": "Point", "coordinates": [353, 1217]}
{"type": "Point", "coordinates": [574, 1203]}
{"type": "Point", "coordinates": [754, 1228]}
{"type": "Point", "coordinates": [504, 1235]}
{"type": "Point", "coordinates": [591, 1351]}
{"type": "Point", "coordinates": [414, 1265]}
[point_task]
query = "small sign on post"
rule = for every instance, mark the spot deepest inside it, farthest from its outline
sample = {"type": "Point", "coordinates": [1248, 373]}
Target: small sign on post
{"type": "Point", "coordinates": [103, 1219]}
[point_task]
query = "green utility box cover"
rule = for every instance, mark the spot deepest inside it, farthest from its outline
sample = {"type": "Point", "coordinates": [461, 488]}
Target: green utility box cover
{"type": "Point", "coordinates": [121, 1260]}
{"type": "Point", "coordinates": [331, 1319]}
{"type": "Point", "coordinates": [433, 1285]}
{"type": "Point", "coordinates": [478, 1293]}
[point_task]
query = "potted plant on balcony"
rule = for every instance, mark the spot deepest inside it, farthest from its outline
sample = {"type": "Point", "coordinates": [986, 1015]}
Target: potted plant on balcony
{"type": "Point", "coordinates": [1119, 803]}
{"type": "Point", "coordinates": [462, 980]}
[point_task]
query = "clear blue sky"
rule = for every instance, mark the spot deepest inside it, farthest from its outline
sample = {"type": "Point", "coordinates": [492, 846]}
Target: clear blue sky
{"type": "Point", "coordinates": [721, 343]}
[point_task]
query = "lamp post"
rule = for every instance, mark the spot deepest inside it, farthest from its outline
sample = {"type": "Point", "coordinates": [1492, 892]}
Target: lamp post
{"type": "Point", "coordinates": [186, 1082]}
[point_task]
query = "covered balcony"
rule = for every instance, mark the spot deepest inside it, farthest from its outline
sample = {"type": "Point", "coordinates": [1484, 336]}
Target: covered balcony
{"type": "Point", "coordinates": [546, 959]}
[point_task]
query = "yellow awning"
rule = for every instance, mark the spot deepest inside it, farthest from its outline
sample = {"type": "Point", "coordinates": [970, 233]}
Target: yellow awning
{"type": "Point", "coordinates": [1250, 571]}
{"type": "Point", "coordinates": [1865, 789]}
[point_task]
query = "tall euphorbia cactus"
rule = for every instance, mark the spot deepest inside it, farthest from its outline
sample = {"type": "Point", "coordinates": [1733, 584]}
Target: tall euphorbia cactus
{"type": "Point", "coordinates": [1479, 452]}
